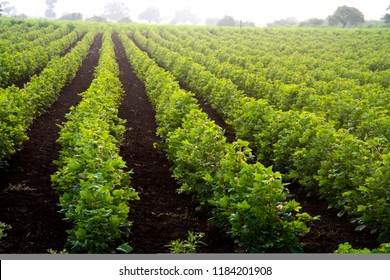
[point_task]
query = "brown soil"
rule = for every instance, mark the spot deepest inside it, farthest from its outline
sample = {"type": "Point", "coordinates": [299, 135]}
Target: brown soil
{"type": "Point", "coordinates": [330, 231]}
{"type": "Point", "coordinates": [32, 210]}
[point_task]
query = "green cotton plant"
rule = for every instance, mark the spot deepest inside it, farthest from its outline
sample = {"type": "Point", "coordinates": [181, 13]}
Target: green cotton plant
{"type": "Point", "coordinates": [250, 120]}
{"type": "Point", "coordinates": [347, 248]}
{"type": "Point", "coordinates": [4, 227]}
{"type": "Point", "coordinates": [346, 167]}
{"type": "Point", "coordinates": [252, 204]}
{"type": "Point", "coordinates": [171, 103]}
{"type": "Point", "coordinates": [371, 202]}
{"type": "Point", "coordinates": [95, 188]}
{"type": "Point", "coordinates": [34, 54]}
{"type": "Point", "coordinates": [196, 149]}
{"type": "Point", "coordinates": [374, 123]}
{"type": "Point", "coordinates": [100, 209]}
{"type": "Point", "coordinates": [188, 246]}
{"type": "Point", "coordinates": [12, 125]}
{"type": "Point", "coordinates": [249, 200]}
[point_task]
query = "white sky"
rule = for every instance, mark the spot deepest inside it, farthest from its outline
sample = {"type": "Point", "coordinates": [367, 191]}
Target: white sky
{"type": "Point", "coordinates": [258, 11]}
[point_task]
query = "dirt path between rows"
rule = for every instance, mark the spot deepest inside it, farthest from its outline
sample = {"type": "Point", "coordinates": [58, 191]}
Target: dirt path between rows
{"type": "Point", "coordinates": [32, 210]}
{"type": "Point", "coordinates": [161, 215]}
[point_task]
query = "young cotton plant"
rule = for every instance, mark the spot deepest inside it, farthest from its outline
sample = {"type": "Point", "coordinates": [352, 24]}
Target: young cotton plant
{"type": "Point", "coordinates": [196, 149]}
{"type": "Point", "coordinates": [253, 205]}
{"type": "Point", "coordinates": [247, 199]}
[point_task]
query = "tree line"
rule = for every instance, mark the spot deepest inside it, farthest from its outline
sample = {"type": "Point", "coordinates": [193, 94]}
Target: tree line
{"type": "Point", "coordinates": [117, 11]}
{"type": "Point", "coordinates": [344, 16]}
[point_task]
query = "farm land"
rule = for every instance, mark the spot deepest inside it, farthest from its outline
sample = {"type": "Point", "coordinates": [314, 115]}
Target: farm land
{"type": "Point", "coordinates": [125, 137]}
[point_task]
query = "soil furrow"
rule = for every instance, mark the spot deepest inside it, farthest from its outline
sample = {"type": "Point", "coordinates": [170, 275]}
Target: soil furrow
{"type": "Point", "coordinates": [161, 215]}
{"type": "Point", "coordinates": [27, 201]}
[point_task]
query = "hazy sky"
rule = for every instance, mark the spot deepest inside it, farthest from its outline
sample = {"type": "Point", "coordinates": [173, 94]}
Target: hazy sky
{"type": "Point", "coordinates": [259, 11]}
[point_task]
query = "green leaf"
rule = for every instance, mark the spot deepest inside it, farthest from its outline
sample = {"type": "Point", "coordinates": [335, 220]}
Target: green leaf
{"type": "Point", "coordinates": [208, 178]}
{"type": "Point", "coordinates": [243, 205]}
{"type": "Point", "coordinates": [80, 233]}
{"type": "Point", "coordinates": [125, 248]}
{"type": "Point", "coordinates": [361, 208]}
{"type": "Point", "coordinates": [73, 165]}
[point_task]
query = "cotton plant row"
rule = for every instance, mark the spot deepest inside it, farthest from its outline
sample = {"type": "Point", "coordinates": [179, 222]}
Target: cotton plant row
{"type": "Point", "coordinates": [92, 180]}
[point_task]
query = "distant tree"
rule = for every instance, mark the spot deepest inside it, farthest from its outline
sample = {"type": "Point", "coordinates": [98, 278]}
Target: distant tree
{"type": "Point", "coordinates": [345, 15]}
{"type": "Point", "coordinates": [185, 16]}
{"type": "Point", "coordinates": [2, 4]}
{"type": "Point", "coordinates": [97, 19]}
{"type": "Point", "coordinates": [249, 23]}
{"type": "Point", "coordinates": [50, 9]}
{"type": "Point", "coordinates": [116, 11]}
{"type": "Point", "coordinates": [312, 22]}
{"type": "Point", "coordinates": [150, 15]}
{"type": "Point", "coordinates": [125, 20]}
{"type": "Point", "coordinates": [227, 21]}
{"type": "Point", "coordinates": [287, 22]}
{"type": "Point", "coordinates": [72, 16]}
{"type": "Point", "coordinates": [10, 11]}
{"type": "Point", "coordinates": [21, 16]}
{"type": "Point", "coordinates": [386, 17]}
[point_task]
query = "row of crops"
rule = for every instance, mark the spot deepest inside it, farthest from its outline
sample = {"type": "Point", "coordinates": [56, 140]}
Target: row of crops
{"type": "Point", "coordinates": [319, 118]}
{"type": "Point", "coordinates": [94, 187]}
